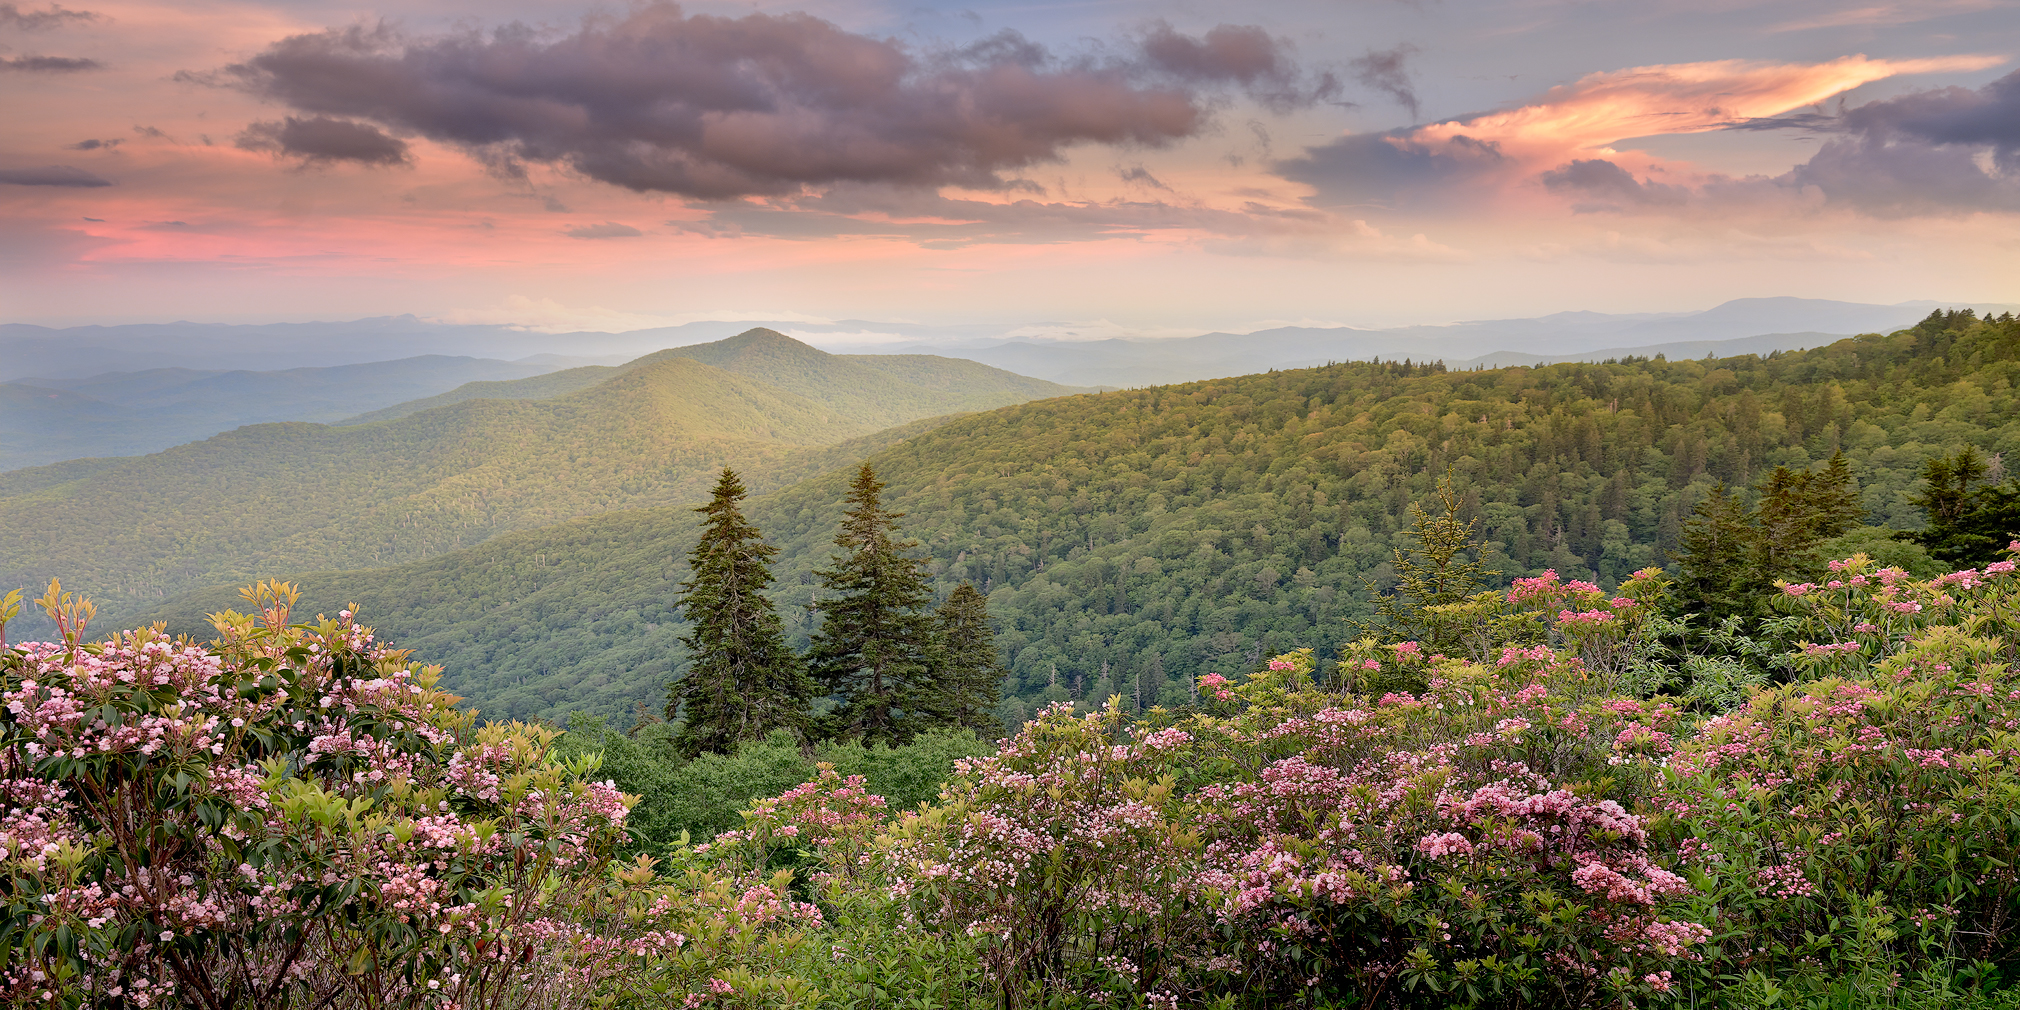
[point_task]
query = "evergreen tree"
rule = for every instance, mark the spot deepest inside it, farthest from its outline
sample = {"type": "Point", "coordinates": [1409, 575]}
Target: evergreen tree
{"type": "Point", "coordinates": [1966, 525]}
{"type": "Point", "coordinates": [1721, 542]}
{"type": "Point", "coordinates": [1799, 510]}
{"type": "Point", "coordinates": [743, 682]}
{"type": "Point", "coordinates": [969, 678]}
{"type": "Point", "coordinates": [1442, 567]}
{"type": "Point", "coordinates": [874, 649]}
{"type": "Point", "coordinates": [1732, 552]}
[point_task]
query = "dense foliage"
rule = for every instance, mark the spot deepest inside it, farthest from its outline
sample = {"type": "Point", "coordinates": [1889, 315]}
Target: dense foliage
{"type": "Point", "coordinates": [290, 816]}
{"type": "Point", "coordinates": [1534, 826]}
{"type": "Point", "coordinates": [1967, 523]}
{"type": "Point", "coordinates": [1132, 541]}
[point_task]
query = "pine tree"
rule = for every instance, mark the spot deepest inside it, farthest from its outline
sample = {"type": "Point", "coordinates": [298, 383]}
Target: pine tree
{"type": "Point", "coordinates": [1435, 571]}
{"type": "Point", "coordinates": [874, 649]}
{"type": "Point", "coordinates": [969, 676]}
{"type": "Point", "coordinates": [743, 681]}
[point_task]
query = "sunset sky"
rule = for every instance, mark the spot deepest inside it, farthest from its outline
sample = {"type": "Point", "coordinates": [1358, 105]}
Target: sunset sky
{"type": "Point", "coordinates": [1161, 166]}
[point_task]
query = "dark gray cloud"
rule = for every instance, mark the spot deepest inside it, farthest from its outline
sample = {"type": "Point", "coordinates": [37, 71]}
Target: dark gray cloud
{"type": "Point", "coordinates": [1604, 185]}
{"type": "Point", "coordinates": [1141, 176]}
{"type": "Point", "coordinates": [50, 64]}
{"type": "Point", "coordinates": [12, 16]}
{"type": "Point", "coordinates": [324, 140]}
{"type": "Point", "coordinates": [608, 229]}
{"type": "Point", "coordinates": [94, 144]}
{"type": "Point", "coordinates": [51, 175]}
{"type": "Point", "coordinates": [1920, 152]}
{"type": "Point", "coordinates": [1243, 55]}
{"type": "Point", "coordinates": [718, 107]}
{"type": "Point", "coordinates": [1384, 71]}
{"type": "Point", "coordinates": [1388, 168]}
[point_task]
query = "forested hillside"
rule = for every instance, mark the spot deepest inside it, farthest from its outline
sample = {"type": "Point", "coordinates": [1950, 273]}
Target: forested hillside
{"type": "Point", "coordinates": [878, 390]}
{"type": "Point", "coordinates": [125, 413]}
{"type": "Point", "coordinates": [284, 497]}
{"type": "Point", "coordinates": [1133, 540]}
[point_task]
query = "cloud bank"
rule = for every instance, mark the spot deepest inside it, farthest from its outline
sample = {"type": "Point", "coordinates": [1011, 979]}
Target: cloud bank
{"type": "Point", "coordinates": [720, 108]}
{"type": "Point", "coordinates": [1563, 139]}
{"type": "Point", "coordinates": [49, 64]}
{"type": "Point", "coordinates": [323, 140]}
{"type": "Point", "coordinates": [51, 175]}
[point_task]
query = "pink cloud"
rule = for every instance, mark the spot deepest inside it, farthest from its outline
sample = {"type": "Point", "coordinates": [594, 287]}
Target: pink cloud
{"type": "Point", "coordinates": [1604, 108]}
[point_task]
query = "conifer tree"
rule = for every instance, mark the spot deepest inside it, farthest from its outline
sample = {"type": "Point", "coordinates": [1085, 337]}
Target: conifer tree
{"type": "Point", "coordinates": [1433, 572]}
{"type": "Point", "coordinates": [1966, 525]}
{"type": "Point", "coordinates": [874, 648]}
{"type": "Point", "coordinates": [968, 681]}
{"type": "Point", "coordinates": [1731, 552]}
{"type": "Point", "coordinates": [744, 681]}
{"type": "Point", "coordinates": [1720, 542]}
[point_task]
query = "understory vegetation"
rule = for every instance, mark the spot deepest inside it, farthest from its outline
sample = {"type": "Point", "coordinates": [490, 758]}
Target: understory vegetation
{"type": "Point", "coordinates": [294, 815]}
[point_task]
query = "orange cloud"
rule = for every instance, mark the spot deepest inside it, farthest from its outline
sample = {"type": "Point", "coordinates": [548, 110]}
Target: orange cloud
{"type": "Point", "coordinates": [1604, 108]}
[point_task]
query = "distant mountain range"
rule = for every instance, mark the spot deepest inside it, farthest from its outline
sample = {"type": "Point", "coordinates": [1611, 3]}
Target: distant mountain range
{"type": "Point", "coordinates": [82, 351]}
{"type": "Point", "coordinates": [278, 497]}
{"type": "Point", "coordinates": [128, 413]}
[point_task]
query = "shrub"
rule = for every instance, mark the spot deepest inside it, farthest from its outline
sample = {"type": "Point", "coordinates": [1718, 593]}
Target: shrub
{"type": "Point", "coordinates": [293, 812]}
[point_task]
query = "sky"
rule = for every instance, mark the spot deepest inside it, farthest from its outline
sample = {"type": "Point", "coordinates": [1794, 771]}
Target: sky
{"type": "Point", "coordinates": [1134, 166]}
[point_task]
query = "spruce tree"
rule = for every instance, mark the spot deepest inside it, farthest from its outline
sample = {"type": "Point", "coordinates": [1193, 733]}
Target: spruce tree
{"type": "Point", "coordinates": [1799, 510]}
{"type": "Point", "coordinates": [968, 678]}
{"type": "Point", "coordinates": [1435, 570]}
{"type": "Point", "coordinates": [1721, 545]}
{"type": "Point", "coordinates": [1966, 525]}
{"type": "Point", "coordinates": [874, 648]}
{"type": "Point", "coordinates": [743, 681]}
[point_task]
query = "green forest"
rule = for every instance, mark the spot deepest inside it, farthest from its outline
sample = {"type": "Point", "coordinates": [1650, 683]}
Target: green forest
{"type": "Point", "coordinates": [272, 498]}
{"type": "Point", "coordinates": [1131, 541]}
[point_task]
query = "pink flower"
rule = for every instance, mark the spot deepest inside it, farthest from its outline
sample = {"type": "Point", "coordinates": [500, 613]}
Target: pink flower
{"type": "Point", "coordinates": [1449, 843]}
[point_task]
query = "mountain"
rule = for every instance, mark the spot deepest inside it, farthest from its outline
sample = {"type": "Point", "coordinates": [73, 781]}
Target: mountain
{"type": "Point", "coordinates": [1119, 362]}
{"type": "Point", "coordinates": [880, 390]}
{"type": "Point", "coordinates": [78, 351]}
{"type": "Point", "coordinates": [1766, 343]}
{"type": "Point", "coordinates": [43, 420]}
{"type": "Point", "coordinates": [1132, 541]}
{"type": "Point", "coordinates": [284, 497]}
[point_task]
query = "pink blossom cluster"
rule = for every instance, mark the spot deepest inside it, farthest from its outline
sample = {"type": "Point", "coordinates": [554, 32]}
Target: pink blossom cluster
{"type": "Point", "coordinates": [367, 796]}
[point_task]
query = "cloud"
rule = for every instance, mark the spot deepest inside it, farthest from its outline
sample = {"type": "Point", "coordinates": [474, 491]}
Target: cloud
{"type": "Point", "coordinates": [1944, 149]}
{"type": "Point", "coordinates": [1873, 15]}
{"type": "Point", "coordinates": [94, 144]}
{"type": "Point", "coordinates": [51, 175]}
{"type": "Point", "coordinates": [1235, 54]}
{"type": "Point", "coordinates": [1607, 186]}
{"type": "Point", "coordinates": [608, 229]}
{"type": "Point", "coordinates": [50, 64]}
{"type": "Point", "coordinates": [12, 16]}
{"type": "Point", "coordinates": [1138, 175]}
{"type": "Point", "coordinates": [718, 108]}
{"type": "Point", "coordinates": [1383, 70]}
{"type": "Point", "coordinates": [1579, 121]}
{"type": "Point", "coordinates": [323, 140]}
